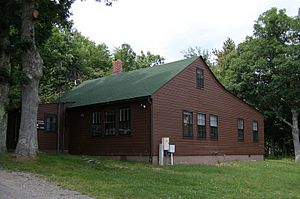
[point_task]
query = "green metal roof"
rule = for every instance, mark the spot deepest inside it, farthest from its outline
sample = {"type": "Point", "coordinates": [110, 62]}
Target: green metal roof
{"type": "Point", "coordinates": [126, 85]}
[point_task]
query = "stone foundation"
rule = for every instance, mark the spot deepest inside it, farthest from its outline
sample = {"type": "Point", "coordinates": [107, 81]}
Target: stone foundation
{"type": "Point", "coordinates": [189, 159]}
{"type": "Point", "coordinates": [207, 159]}
{"type": "Point", "coordinates": [129, 158]}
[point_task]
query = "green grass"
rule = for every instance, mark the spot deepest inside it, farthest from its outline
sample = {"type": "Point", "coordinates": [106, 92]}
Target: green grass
{"type": "Point", "coordinates": [116, 179]}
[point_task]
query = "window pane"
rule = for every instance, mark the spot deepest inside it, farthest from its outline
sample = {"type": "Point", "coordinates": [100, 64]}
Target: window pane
{"type": "Point", "coordinates": [213, 120]}
{"type": "Point", "coordinates": [124, 123]}
{"type": "Point", "coordinates": [187, 118]}
{"type": "Point", "coordinates": [255, 136]}
{"type": "Point", "coordinates": [213, 133]}
{"type": "Point", "coordinates": [255, 126]}
{"type": "Point", "coordinates": [110, 123]}
{"type": "Point", "coordinates": [96, 124]}
{"type": "Point", "coordinates": [255, 131]}
{"type": "Point", "coordinates": [187, 123]}
{"type": "Point", "coordinates": [202, 132]}
{"type": "Point", "coordinates": [201, 119]}
{"type": "Point", "coordinates": [240, 124]}
{"type": "Point", "coordinates": [96, 119]}
{"type": "Point", "coordinates": [51, 122]}
{"type": "Point", "coordinates": [240, 134]}
{"type": "Point", "coordinates": [96, 130]}
{"type": "Point", "coordinates": [200, 73]}
{"type": "Point", "coordinates": [200, 78]}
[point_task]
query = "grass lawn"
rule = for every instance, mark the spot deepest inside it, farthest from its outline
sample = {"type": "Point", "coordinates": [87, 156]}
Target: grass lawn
{"type": "Point", "coordinates": [116, 179]}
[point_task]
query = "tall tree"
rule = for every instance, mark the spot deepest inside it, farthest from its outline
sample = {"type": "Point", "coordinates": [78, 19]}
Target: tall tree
{"type": "Point", "coordinates": [227, 48]}
{"type": "Point", "coordinates": [133, 61]}
{"type": "Point", "coordinates": [148, 60]}
{"type": "Point", "coordinates": [32, 66]}
{"type": "Point", "coordinates": [222, 55]}
{"type": "Point", "coordinates": [8, 20]}
{"type": "Point", "coordinates": [265, 70]}
{"type": "Point", "coordinates": [198, 51]}
{"type": "Point", "coordinates": [4, 84]}
{"type": "Point", "coordinates": [52, 13]}
{"type": "Point", "coordinates": [280, 37]}
{"type": "Point", "coordinates": [69, 57]}
{"type": "Point", "coordinates": [127, 55]}
{"type": "Point", "coordinates": [32, 63]}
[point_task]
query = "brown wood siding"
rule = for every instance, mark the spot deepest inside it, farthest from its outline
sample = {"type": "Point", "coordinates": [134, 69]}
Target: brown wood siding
{"type": "Point", "coordinates": [181, 93]}
{"type": "Point", "coordinates": [82, 142]}
{"type": "Point", "coordinates": [47, 140]}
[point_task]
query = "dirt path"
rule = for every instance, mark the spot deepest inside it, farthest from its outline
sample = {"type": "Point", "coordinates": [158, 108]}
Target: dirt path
{"type": "Point", "coordinates": [18, 185]}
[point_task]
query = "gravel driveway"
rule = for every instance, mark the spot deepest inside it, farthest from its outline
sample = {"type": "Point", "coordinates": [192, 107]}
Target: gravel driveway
{"type": "Point", "coordinates": [18, 185]}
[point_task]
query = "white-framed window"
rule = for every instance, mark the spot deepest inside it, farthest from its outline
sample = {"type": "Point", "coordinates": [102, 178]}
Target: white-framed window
{"type": "Point", "coordinates": [187, 124]}
{"type": "Point", "coordinates": [96, 123]}
{"type": "Point", "coordinates": [110, 123]}
{"type": "Point", "coordinates": [50, 122]}
{"type": "Point", "coordinates": [240, 125]}
{"type": "Point", "coordinates": [255, 131]}
{"type": "Point", "coordinates": [200, 77]}
{"type": "Point", "coordinates": [124, 121]}
{"type": "Point", "coordinates": [213, 121]}
{"type": "Point", "coordinates": [201, 125]}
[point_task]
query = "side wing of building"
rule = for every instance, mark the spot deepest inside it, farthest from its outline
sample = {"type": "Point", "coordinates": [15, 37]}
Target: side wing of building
{"type": "Point", "coordinates": [204, 121]}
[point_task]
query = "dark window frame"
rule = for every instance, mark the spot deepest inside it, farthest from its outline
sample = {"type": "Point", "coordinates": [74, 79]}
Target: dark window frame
{"type": "Point", "coordinates": [53, 125]}
{"type": "Point", "coordinates": [200, 78]}
{"type": "Point", "coordinates": [214, 134]}
{"type": "Point", "coordinates": [96, 127]}
{"type": "Point", "coordinates": [110, 123]}
{"type": "Point", "coordinates": [255, 132]}
{"type": "Point", "coordinates": [124, 127]}
{"type": "Point", "coordinates": [187, 126]}
{"type": "Point", "coordinates": [201, 129]}
{"type": "Point", "coordinates": [240, 130]}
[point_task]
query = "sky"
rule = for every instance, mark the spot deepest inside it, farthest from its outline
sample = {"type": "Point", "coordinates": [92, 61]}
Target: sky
{"type": "Point", "coordinates": [168, 27]}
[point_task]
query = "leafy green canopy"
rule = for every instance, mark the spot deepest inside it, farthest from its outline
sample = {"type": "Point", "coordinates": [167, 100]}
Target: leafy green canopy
{"type": "Point", "coordinates": [132, 61]}
{"type": "Point", "coordinates": [69, 57]}
{"type": "Point", "coordinates": [265, 70]}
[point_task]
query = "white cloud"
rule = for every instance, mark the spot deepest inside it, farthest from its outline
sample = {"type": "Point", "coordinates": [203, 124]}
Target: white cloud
{"type": "Point", "coordinates": [167, 27]}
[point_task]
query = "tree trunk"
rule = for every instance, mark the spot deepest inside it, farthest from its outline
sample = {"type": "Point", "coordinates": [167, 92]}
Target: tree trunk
{"type": "Point", "coordinates": [4, 87]}
{"type": "Point", "coordinates": [295, 132]}
{"type": "Point", "coordinates": [32, 64]}
{"type": "Point", "coordinates": [272, 147]}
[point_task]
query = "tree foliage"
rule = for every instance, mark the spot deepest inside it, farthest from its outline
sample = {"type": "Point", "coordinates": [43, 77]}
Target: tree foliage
{"type": "Point", "coordinates": [132, 61]}
{"type": "Point", "coordinates": [198, 51]}
{"type": "Point", "coordinates": [222, 56]}
{"type": "Point", "coordinates": [25, 26]}
{"type": "Point", "coordinates": [264, 69]}
{"type": "Point", "coordinates": [148, 60]}
{"type": "Point", "coordinates": [70, 58]}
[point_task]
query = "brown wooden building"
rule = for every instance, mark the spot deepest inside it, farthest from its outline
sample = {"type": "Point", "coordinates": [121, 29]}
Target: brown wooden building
{"type": "Point", "coordinates": [125, 116]}
{"type": "Point", "coordinates": [51, 128]}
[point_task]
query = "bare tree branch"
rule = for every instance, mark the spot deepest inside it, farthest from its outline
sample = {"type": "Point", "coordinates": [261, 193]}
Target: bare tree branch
{"type": "Point", "coordinates": [285, 121]}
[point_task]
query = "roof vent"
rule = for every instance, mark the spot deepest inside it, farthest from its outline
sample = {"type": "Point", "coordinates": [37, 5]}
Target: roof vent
{"type": "Point", "coordinates": [117, 66]}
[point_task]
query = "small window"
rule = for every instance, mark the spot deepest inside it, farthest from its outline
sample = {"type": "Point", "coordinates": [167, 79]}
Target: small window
{"type": "Point", "coordinates": [200, 77]}
{"type": "Point", "coordinates": [51, 122]}
{"type": "Point", "coordinates": [110, 123]}
{"type": "Point", "coordinates": [187, 124]}
{"type": "Point", "coordinates": [124, 121]}
{"type": "Point", "coordinates": [240, 125]}
{"type": "Point", "coordinates": [213, 121]}
{"type": "Point", "coordinates": [255, 131]}
{"type": "Point", "coordinates": [201, 126]}
{"type": "Point", "coordinates": [96, 123]}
